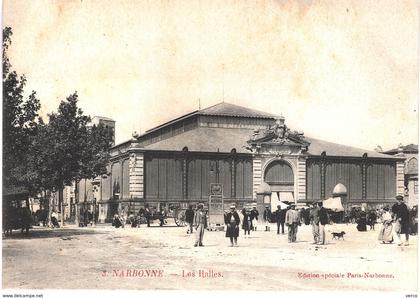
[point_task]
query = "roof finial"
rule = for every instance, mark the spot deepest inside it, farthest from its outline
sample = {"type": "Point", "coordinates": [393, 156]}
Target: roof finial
{"type": "Point", "coordinates": [199, 103]}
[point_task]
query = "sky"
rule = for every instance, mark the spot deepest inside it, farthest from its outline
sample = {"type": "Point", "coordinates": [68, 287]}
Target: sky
{"type": "Point", "coordinates": [341, 71]}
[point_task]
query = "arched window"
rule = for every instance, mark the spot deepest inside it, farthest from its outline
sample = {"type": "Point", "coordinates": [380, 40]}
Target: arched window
{"type": "Point", "coordinates": [279, 172]}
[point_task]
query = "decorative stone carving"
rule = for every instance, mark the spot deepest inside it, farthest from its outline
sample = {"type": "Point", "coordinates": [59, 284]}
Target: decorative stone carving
{"type": "Point", "coordinates": [132, 161]}
{"type": "Point", "coordinates": [278, 139]}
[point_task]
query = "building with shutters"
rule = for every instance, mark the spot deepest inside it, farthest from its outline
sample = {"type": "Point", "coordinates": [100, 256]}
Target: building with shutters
{"type": "Point", "coordinates": [254, 156]}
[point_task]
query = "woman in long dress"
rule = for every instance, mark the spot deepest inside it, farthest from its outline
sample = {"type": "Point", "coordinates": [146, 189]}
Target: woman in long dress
{"type": "Point", "coordinates": [247, 223]}
{"type": "Point", "coordinates": [385, 235]}
{"type": "Point", "coordinates": [232, 222]}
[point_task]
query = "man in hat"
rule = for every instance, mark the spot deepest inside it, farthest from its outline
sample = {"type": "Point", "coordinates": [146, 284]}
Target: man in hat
{"type": "Point", "coordinates": [254, 215]}
{"type": "Point", "coordinates": [292, 222]}
{"type": "Point", "coordinates": [200, 224]}
{"type": "Point", "coordinates": [280, 218]}
{"type": "Point", "coordinates": [314, 218]}
{"type": "Point", "coordinates": [323, 220]}
{"type": "Point", "coordinates": [266, 218]}
{"type": "Point", "coordinates": [189, 218]}
{"type": "Point", "coordinates": [401, 219]}
{"type": "Point", "coordinates": [232, 221]}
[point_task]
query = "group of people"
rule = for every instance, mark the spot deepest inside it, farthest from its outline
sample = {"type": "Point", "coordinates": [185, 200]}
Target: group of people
{"type": "Point", "coordinates": [144, 215]}
{"type": "Point", "coordinates": [397, 221]}
{"type": "Point", "coordinates": [317, 216]}
{"type": "Point", "coordinates": [292, 218]}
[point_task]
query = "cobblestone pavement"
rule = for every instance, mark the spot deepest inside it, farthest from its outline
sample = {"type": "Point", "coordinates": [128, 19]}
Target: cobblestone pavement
{"type": "Point", "coordinates": [165, 258]}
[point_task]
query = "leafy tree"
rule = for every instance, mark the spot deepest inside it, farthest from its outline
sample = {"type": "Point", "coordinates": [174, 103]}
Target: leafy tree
{"type": "Point", "coordinates": [68, 149]}
{"type": "Point", "coordinates": [20, 121]}
{"type": "Point", "coordinates": [46, 157]}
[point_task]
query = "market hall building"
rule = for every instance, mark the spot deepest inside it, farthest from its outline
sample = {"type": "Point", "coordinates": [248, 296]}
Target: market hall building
{"type": "Point", "coordinates": [251, 155]}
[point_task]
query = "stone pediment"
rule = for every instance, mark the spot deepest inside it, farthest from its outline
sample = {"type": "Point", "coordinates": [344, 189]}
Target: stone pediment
{"type": "Point", "coordinates": [278, 138]}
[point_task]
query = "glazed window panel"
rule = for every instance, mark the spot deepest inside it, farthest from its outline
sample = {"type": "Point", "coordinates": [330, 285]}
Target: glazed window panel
{"type": "Point", "coordinates": [116, 179]}
{"type": "Point", "coordinates": [346, 173]}
{"type": "Point", "coordinates": [106, 186]}
{"type": "Point", "coordinates": [330, 178]}
{"type": "Point", "coordinates": [313, 180]}
{"type": "Point", "coordinates": [355, 184]}
{"type": "Point", "coordinates": [239, 183]}
{"type": "Point", "coordinates": [126, 179]}
{"type": "Point", "coordinates": [243, 179]}
{"type": "Point", "coordinates": [248, 179]}
{"type": "Point", "coordinates": [208, 175]}
{"type": "Point", "coordinates": [205, 179]}
{"type": "Point", "coordinates": [225, 177]}
{"type": "Point", "coordinates": [174, 178]}
{"type": "Point", "coordinates": [381, 179]}
{"type": "Point", "coordinates": [151, 177]}
{"type": "Point", "coordinates": [162, 177]}
{"type": "Point", "coordinates": [194, 179]}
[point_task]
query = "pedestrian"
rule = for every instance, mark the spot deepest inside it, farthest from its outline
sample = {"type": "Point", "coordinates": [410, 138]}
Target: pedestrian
{"type": "Point", "coordinates": [232, 222]}
{"type": "Point", "coordinates": [385, 234]}
{"type": "Point", "coordinates": [161, 216]}
{"type": "Point", "coordinates": [314, 218]}
{"type": "Point", "coordinates": [278, 215]}
{"type": "Point", "coordinates": [371, 218]}
{"type": "Point", "coordinates": [292, 222]}
{"type": "Point", "coordinates": [54, 219]}
{"type": "Point", "coordinates": [200, 224]}
{"type": "Point", "coordinates": [85, 217]}
{"type": "Point", "coordinates": [147, 214]}
{"type": "Point", "coordinates": [401, 219]}
{"type": "Point", "coordinates": [267, 218]}
{"type": "Point", "coordinates": [413, 221]}
{"type": "Point", "coordinates": [247, 222]}
{"type": "Point", "coordinates": [283, 218]}
{"type": "Point", "coordinates": [305, 216]}
{"type": "Point", "coordinates": [123, 218]}
{"type": "Point", "coordinates": [116, 221]}
{"type": "Point", "coordinates": [323, 220]}
{"type": "Point", "coordinates": [189, 219]}
{"type": "Point", "coordinates": [254, 215]}
{"type": "Point", "coordinates": [132, 219]}
{"type": "Point", "coordinates": [361, 222]}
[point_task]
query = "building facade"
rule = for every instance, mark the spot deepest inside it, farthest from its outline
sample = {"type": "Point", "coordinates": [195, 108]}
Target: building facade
{"type": "Point", "coordinates": [410, 154]}
{"type": "Point", "coordinates": [253, 156]}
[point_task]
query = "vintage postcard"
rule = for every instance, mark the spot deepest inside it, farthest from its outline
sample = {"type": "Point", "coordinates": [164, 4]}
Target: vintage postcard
{"type": "Point", "coordinates": [267, 146]}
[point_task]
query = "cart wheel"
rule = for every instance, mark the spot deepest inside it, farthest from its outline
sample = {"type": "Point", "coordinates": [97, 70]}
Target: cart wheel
{"type": "Point", "coordinates": [180, 219]}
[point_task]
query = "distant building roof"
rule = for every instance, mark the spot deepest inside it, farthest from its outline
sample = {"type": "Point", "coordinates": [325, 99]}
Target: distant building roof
{"type": "Point", "coordinates": [218, 139]}
{"type": "Point", "coordinates": [209, 139]}
{"type": "Point", "coordinates": [103, 118]}
{"type": "Point", "coordinates": [220, 109]}
{"type": "Point", "coordinates": [332, 149]}
{"type": "Point", "coordinates": [206, 139]}
{"type": "Point", "coordinates": [228, 109]}
{"type": "Point", "coordinates": [410, 148]}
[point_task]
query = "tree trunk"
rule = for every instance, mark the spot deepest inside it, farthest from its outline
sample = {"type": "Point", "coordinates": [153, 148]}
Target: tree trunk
{"type": "Point", "coordinates": [76, 203]}
{"type": "Point", "coordinates": [50, 203]}
{"type": "Point", "coordinates": [60, 202]}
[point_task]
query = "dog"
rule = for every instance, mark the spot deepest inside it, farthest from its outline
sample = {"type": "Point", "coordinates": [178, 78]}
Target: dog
{"type": "Point", "coordinates": [338, 235]}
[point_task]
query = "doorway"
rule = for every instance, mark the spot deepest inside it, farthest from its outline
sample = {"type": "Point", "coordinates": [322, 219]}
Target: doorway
{"type": "Point", "coordinates": [279, 175]}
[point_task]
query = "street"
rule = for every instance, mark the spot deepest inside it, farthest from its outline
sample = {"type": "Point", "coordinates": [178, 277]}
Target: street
{"type": "Point", "coordinates": [165, 258]}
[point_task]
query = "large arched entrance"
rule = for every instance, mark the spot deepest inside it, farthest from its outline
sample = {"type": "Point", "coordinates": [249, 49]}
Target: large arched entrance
{"type": "Point", "coordinates": [279, 175]}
